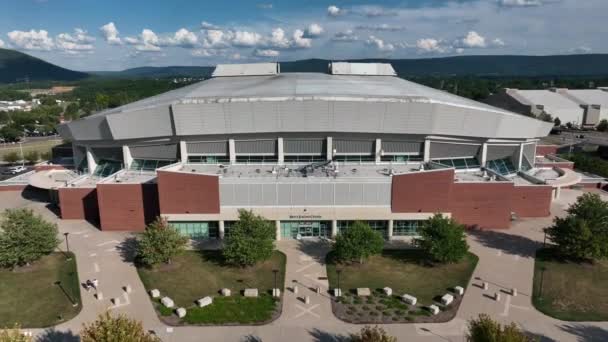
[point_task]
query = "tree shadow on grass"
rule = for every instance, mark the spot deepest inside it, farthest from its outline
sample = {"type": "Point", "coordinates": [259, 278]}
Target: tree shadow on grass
{"type": "Point", "coordinates": [315, 248]}
{"type": "Point", "coordinates": [319, 335]}
{"type": "Point", "coordinates": [507, 243]}
{"type": "Point", "coordinates": [52, 335]}
{"type": "Point", "coordinates": [586, 333]}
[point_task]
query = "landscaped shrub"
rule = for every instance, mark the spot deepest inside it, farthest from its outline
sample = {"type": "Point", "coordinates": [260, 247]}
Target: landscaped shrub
{"type": "Point", "coordinates": [375, 334]}
{"type": "Point", "coordinates": [250, 241]}
{"type": "Point", "coordinates": [583, 234]}
{"type": "Point", "coordinates": [485, 329]}
{"type": "Point", "coordinates": [585, 162]}
{"type": "Point", "coordinates": [160, 243]}
{"type": "Point", "coordinates": [443, 239]}
{"type": "Point", "coordinates": [25, 237]}
{"type": "Point", "coordinates": [358, 243]}
{"type": "Point", "coordinates": [116, 328]}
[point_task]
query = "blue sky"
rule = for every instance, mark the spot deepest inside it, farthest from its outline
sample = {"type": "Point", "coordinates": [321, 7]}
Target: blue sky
{"type": "Point", "coordinates": [114, 35]}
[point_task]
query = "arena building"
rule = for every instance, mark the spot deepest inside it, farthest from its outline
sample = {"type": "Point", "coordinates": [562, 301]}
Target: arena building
{"type": "Point", "coordinates": [311, 151]}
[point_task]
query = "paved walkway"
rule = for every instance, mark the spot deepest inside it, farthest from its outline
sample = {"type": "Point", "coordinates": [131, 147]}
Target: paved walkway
{"type": "Point", "coordinates": [506, 261]}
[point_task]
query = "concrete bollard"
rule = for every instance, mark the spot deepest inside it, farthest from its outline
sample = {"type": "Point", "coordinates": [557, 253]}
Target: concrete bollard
{"type": "Point", "coordinates": [276, 293]}
{"type": "Point", "coordinates": [485, 286]}
{"type": "Point", "coordinates": [307, 300]}
{"type": "Point", "coordinates": [116, 301]}
{"type": "Point", "coordinates": [295, 289]}
{"type": "Point", "coordinates": [99, 296]}
{"type": "Point", "coordinates": [497, 296]}
{"type": "Point", "coordinates": [128, 289]}
{"type": "Point", "coordinates": [514, 292]}
{"type": "Point", "coordinates": [337, 292]}
{"type": "Point", "coordinates": [318, 289]}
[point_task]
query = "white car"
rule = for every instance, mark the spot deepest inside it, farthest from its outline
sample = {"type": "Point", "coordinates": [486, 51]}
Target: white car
{"type": "Point", "coordinates": [14, 170]}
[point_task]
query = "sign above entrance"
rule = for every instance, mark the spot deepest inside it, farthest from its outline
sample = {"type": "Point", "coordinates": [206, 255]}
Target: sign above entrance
{"type": "Point", "coordinates": [304, 217]}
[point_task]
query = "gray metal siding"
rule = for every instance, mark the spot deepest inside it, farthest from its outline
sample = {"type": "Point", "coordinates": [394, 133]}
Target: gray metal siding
{"type": "Point", "coordinates": [344, 146]}
{"type": "Point", "coordinates": [396, 147]}
{"type": "Point", "coordinates": [530, 152]}
{"type": "Point", "coordinates": [448, 150]}
{"type": "Point", "coordinates": [158, 152]}
{"type": "Point", "coordinates": [145, 123]}
{"type": "Point", "coordinates": [259, 147]}
{"type": "Point", "coordinates": [208, 147]}
{"type": "Point", "coordinates": [304, 146]}
{"type": "Point", "coordinates": [112, 153]}
{"type": "Point", "coordinates": [91, 128]}
{"type": "Point", "coordinates": [305, 194]}
{"type": "Point", "coordinates": [496, 152]}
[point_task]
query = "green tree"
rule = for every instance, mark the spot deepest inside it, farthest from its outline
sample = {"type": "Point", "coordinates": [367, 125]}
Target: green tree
{"type": "Point", "coordinates": [32, 157]}
{"type": "Point", "coordinates": [485, 329]}
{"type": "Point", "coordinates": [101, 101]}
{"type": "Point", "coordinates": [14, 335]}
{"type": "Point", "coordinates": [357, 243]}
{"type": "Point", "coordinates": [25, 237]}
{"type": "Point", "coordinates": [250, 241]}
{"type": "Point", "coordinates": [160, 242]}
{"type": "Point", "coordinates": [11, 157]}
{"type": "Point", "coordinates": [108, 328]}
{"type": "Point", "coordinates": [372, 334]}
{"type": "Point", "coordinates": [602, 126]}
{"type": "Point", "coordinates": [72, 111]}
{"type": "Point", "coordinates": [10, 133]}
{"type": "Point", "coordinates": [583, 233]}
{"type": "Point", "coordinates": [544, 116]}
{"type": "Point", "coordinates": [557, 122]}
{"type": "Point", "coordinates": [443, 239]}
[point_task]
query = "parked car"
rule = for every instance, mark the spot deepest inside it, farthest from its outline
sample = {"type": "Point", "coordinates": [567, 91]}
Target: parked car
{"type": "Point", "coordinates": [13, 170]}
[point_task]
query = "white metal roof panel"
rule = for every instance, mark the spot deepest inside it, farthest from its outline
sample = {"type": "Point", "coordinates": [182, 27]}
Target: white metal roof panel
{"type": "Point", "coordinates": [369, 69]}
{"type": "Point", "coordinates": [252, 69]}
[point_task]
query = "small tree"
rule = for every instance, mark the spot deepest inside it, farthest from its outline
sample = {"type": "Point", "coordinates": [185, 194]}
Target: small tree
{"type": "Point", "coordinates": [160, 242]}
{"type": "Point", "coordinates": [120, 328]}
{"type": "Point", "coordinates": [372, 334]}
{"type": "Point", "coordinates": [251, 240]}
{"type": "Point", "coordinates": [485, 329]}
{"type": "Point", "coordinates": [557, 122]}
{"type": "Point", "coordinates": [602, 126]}
{"type": "Point", "coordinates": [583, 234]}
{"type": "Point", "coordinates": [443, 239]}
{"type": "Point", "coordinates": [32, 157]}
{"type": "Point", "coordinates": [14, 335]}
{"type": "Point", "coordinates": [358, 243]}
{"type": "Point", "coordinates": [25, 237]}
{"type": "Point", "coordinates": [11, 157]}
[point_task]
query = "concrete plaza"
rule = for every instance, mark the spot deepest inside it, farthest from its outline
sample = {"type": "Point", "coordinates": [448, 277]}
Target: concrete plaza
{"type": "Point", "coordinates": [506, 262]}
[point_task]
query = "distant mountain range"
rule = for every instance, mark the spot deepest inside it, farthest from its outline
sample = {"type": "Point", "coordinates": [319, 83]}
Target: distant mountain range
{"type": "Point", "coordinates": [16, 66]}
{"type": "Point", "coordinates": [522, 66]}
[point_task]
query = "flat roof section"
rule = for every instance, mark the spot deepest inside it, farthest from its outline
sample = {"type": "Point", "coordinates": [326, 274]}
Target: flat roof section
{"type": "Point", "coordinates": [131, 177]}
{"type": "Point", "coordinates": [252, 69]}
{"type": "Point", "coordinates": [362, 69]}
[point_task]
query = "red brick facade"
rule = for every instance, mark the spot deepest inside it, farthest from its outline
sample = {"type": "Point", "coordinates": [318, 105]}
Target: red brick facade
{"type": "Point", "coordinates": [485, 205]}
{"type": "Point", "coordinates": [127, 206]}
{"type": "Point", "coordinates": [12, 187]}
{"type": "Point", "coordinates": [561, 165]}
{"type": "Point", "coordinates": [79, 204]}
{"type": "Point", "coordinates": [185, 193]}
{"type": "Point", "coordinates": [543, 150]}
{"type": "Point", "coordinates": [422, 192]}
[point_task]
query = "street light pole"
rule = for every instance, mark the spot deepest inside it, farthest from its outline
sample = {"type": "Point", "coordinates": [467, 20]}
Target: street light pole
{"type": "Point", "coordinates": [67, 243]}
{"type": "Point", "coordinates": [338, 271]}
{"type": "Point", "coordinates": [274, 290]}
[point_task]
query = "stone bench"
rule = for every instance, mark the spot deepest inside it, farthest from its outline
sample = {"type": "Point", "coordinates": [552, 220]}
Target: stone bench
{"type": "Point", "coordinates": [167, 302]}
{"type": "Point", "coordinates": [226, 292]}
{"type": "Point", "coordinates": [181, 312]}
{"type": "Point", "coordinates": [447, 299]}
{"type": "Point", "coordinates": [434, 309]}
{"type": "Point", "coordinates": [204, 302]}
{"type": "Point", "coordinates": [364, 292]}
{"type": "Point", "coordinates": [388, 291]}
{"type": "Point", "coordinates": [250, 292]}
{"type": "Point", "coordinates": [155, 293]}
{"type": "Point", "coordinates": [459, 290]}
{"type": "Point", "coordinates": [411, 300]}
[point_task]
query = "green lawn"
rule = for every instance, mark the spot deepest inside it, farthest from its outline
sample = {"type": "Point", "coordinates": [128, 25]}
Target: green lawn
{"type": "Point", "coordinates": [196, 274]}
{"type": "Point", "coordinates": [405, 272]}
{"type": "Point", "coordinates": [39, 146]}
{"type": "Point", "coordinates": [571, 291]}
{"type": "Point", "coordinates": [30, 297]}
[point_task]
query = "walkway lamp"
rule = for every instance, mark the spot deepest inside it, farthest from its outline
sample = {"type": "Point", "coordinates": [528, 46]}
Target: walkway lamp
{"type": "Point", "coordinates": [338, 271]}
{"type": "Point", "coordinates": [67, 244]}
{"type": "Point", "coordinates": [275, 271]}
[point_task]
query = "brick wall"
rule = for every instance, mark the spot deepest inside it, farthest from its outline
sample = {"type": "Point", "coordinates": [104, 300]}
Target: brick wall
{"type": "Point", "coordinates": [562, 165]}
{"type": "Point", "coordinates": [127, 206]}
{"type": "Point", "coordinates": [543, 150]}
{"type": "Point", "coordinates": [79, 204]}
{"type": "Point", "coordinates": [48, 167]}
{"type": "Point", "coordinates": [425, 192]}
{"type": "Point", "coordinates": [12, 187]}
{"type": "Point", "coordinates": [486, 205]}
{"type": "Point", "coordinates": [185, 193]}
{"type": "Point", "coordinates": [531, 200]}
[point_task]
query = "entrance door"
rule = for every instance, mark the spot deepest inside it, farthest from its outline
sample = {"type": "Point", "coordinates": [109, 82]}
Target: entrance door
{"type": "Point", "coordinates": [305, 230]}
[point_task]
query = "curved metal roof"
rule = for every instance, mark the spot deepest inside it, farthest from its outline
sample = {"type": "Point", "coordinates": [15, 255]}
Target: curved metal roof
{"type": "Point", "coordinates": [304, 102]}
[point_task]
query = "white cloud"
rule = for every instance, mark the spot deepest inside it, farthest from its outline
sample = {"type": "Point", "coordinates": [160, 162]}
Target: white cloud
{"type": "Point", "coordinates": [31, 40]}
{"type": "Point", "coordinates": [74, 43]}
{"type": "Point", "coordinates": [146, 42]}
{"type": "Point", "coordinates": [379, 44]}
{"type": "Point", "coordinates": [498, 42]}
{"type": "Point", "coordinates": [520, 3]}
{"type": "Point", "coordinates": [208, 26]}
{"type": "Point", "coordinates": [314, 30]}
{"type": "Point", "coordinates": [131, 40]}
{"type": "Point", "coordinates": [299, 41]}
{"type": "Point", "coordinates": [375, 11]}
{"type": "Point", "coordinates": [581, 50]}
{"type": "Point", "coordinates": [430, 45]}
{"type": "Point", "coordinates": [278, 40]}
{"type": "Point", "coordinates": [1, 43]}
{"type": "Point", "coordinates": [381, 27]}
{"type": "Point", "coordinates": [266, 53]}
{"type": "Point", "coordinates": [205, 52]}
{"type": "Point", "coordinates": [345, 36]}
{"type": "Point", "coordinates": [264, 6]}
{"type": "Point", "coordinates": [334, 11]}
{"type": "Point", "coordinates": [182, 37]}
{"type": "Point", "coordinates": [471, 40]}
{"type": "Point", "coordinates": [110, 33]}
{"type": "Point", "coordinates": [246, 39]}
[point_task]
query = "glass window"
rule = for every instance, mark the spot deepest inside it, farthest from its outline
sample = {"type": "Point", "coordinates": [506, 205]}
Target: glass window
{"type": "Point", "coordinates": [256, 159]}
{"type": "Point", "coordinates": [379, 226]}
{"type": "Point", "coordinates": [208, 159]}
{"type": "Point", "coordinates": [197, 230]}
{"type": "Point", "coordinates": [405, 228]}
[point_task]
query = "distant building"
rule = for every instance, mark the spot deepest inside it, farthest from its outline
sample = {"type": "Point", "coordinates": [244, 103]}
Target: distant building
{"type": "Point", "coordinates": [582, 108]}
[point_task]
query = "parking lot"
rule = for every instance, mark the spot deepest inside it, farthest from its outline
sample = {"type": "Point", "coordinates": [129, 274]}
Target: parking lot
{"type": "Point", "coordinates": [4, 171]}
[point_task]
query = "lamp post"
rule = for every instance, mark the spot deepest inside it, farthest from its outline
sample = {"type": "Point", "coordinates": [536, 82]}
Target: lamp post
{"type": "Point", "coordinates": [338, 271]}
{"type": "Point", "coordinates": [67, 243]}
{"type": "Point", "coordinates": [274, 290]}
